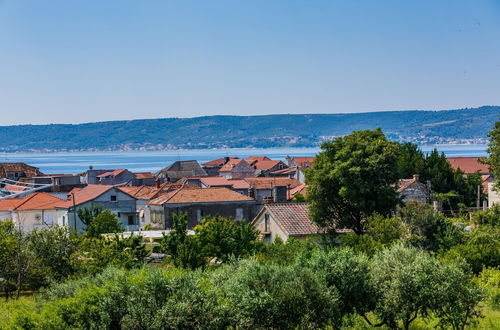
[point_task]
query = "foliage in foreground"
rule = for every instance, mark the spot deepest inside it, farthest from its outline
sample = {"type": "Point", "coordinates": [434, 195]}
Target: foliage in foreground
{"type": "Point", "coordinates": [315, 289]}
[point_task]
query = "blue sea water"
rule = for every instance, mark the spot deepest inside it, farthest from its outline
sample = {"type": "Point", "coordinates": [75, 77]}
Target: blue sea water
{"type": "Point", "coordinates": [137, 161]}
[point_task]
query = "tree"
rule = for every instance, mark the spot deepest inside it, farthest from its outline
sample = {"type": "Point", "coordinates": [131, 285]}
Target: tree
{"type": "Point", "coordinates": [405, 284]}
{"type": "Point", "coordinates": [438, 171]}
{"type": "Point", "coordinates": [87, 215]}
{"type": "Point", "coordinates": [411, 160]}
{"type": "Point", "coordinates": [430, 229]}
{"type": "Point", "coordinates": [223, 238]}
{"type": "Point", "coordinates": [353, 177]}
{"type": "Point", "coordinates": [8, 245]}
{"type": "Point", "coordinates": [494, 151]}
{"type": "Point", "coordinates": [104, 223]}
{"type": "Point", "coordinates": [184, 250]}
{"type": "Point", "coordinates": [54, 248]}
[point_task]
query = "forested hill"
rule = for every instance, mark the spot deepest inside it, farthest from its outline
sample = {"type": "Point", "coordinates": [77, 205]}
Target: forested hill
{"type": "Point", "coordinates": [446, 126]}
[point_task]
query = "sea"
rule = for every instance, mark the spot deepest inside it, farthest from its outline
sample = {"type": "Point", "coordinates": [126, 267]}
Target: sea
{"type": "Point", "coordinates": [151, 161]}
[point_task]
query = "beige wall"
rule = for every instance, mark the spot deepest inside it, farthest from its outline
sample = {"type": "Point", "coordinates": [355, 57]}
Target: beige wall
{"type": "Point", "coordinates": [275, 230]}
{"type": "Point", "coordinates": [493, 196]}
{"type": "Point", "coordinates": [32, 219]}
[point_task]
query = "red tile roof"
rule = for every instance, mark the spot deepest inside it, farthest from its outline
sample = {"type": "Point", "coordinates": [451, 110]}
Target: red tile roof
{"type": "Point", "coordinates": [284, 171]}
{"type": "Point", "coordinates": [112, 173]}
{"type": "Point", "coordinates": [11, 187]}
{"type": "Point", "coordinates": [218, 162]}
{"type": "Point", "coordinates": [207, 195]}
{"type": "Point", "coordinates": [293, 218]}
{"type": "Point", "coordinates": [469, 164]}
{"type": "Point", "coordinates": [239, 184]}
{"type": "Point", "coordinates": [35, 201]}
{"type": "Point", "coordinates": [257, 158]}
{"type": "Point", "coordinates": [215, 181]}
{"type": "Point", "coordinates": [29, 171]}
{"type": "Point", "coordinates": [88, 193]}
{"type": "Point", "coordinates": [270, 182]}
{"type": "Point", "coordinates": [143, 175]}
{"type": "Point", "coordinates": [304, 161]}
{"type": "Point", "coordinates": [141, 192]}
{"type": "Point", "coordinates": [302, 189]}
{"type": "Point", "coordinates": [264, 165]}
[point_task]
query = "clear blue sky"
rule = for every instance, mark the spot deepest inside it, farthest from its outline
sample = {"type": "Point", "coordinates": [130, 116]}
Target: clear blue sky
{"type": "Point", "coordinates": [80, 60]}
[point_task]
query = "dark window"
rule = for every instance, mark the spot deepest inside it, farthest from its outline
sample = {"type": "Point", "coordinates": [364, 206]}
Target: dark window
{"type": "Point", "coordinates": [131, 220]}
{"type": "Point", "coordinates": [113, 198]}
{"type": "Point", "coordinates": [266, 223]}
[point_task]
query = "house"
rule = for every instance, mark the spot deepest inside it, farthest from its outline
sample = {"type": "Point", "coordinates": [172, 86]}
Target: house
{"type": "Point", "coordinates": [180, 169]}
{"type": "Point", "coordinates": [61, 183]}
{"type": "Point", "coordinates": [238, 185]}
{"type": "Point", "coordinates": [16, 171]}
{"type": "Point", "coordinates": [284, 220]}
{"type": "Point", "coordinates": [274, 189]}
{"type": "Point", "coordinates": [301, 162]}
{"type": "Point", "coordinates": [287, 172]}
{"type": "Point", "coordinates": [115, 177]}
{"type": "Point", "coordinates": [122, 204]}
{"type": "Point", "coordinates": [469, 165]}
{"type": "Point", "coordinates": [237, 169]}
{"type": "Point", "coordinates": [493, 195]}
{"type": "Point", "coordinates": [212, 167]}
{"type": "Point", "coordinates": [143, 179]}
{"type": "Point", "coordinates": [35, 211]}
{"type": "Point", "coordinates": [413, 190]}
{"type": "Point", "coordinates": [199, 203]}
{"type": "Point", "coordinates": [91, 175]}
{"type": "Point", "coordinates": [265, 166]}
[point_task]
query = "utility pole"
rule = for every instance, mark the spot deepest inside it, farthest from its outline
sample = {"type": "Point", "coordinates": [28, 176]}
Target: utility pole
{"type": "Point", "coordinates": [478, 201]}
{"type": "Point", "coordinates": [74, 208]}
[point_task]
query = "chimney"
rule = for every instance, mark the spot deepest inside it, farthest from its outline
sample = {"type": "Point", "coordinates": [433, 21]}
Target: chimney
{"type": "Point", "coordinates": [416, 177]}
{"type": "Point", "coordinates": [91, 167]}
{"type": "Point", "coordinates": [226, 159]}
{"type": "Point", "coordinates": [157, 183]}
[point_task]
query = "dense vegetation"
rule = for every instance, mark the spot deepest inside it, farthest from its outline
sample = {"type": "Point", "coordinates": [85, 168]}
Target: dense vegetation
{"type": "Point", "coordinates": [249, 131]}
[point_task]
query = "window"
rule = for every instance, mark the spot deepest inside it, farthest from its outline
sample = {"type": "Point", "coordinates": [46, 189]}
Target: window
{"type": "Point", "coordinates": [239, 213]}
{"type": "Point", "coordinates": [131, 220]}
{"type": "Point", "coordinates": [266, 223]}
{"type": "Point", "coordinates": [113, 198]}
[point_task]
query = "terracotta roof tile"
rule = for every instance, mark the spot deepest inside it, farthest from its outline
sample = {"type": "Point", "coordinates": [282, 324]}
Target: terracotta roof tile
{"type": "Point", "coordinates": [293, 218]}
{"type": "Point", "coordinates": [270, 182]}
{"type": "Point", "coordinates": [143, 175]}
{"type": "Point", "coordinates": [112, 173]}
{"type": "Point", "coordinates": [265, 164]}
{"type": "Point", "coordinates": [29, 171]}
{"type": "Point", "coordinates": [87, 193]}
{"type": "Point", "coordinates": [35, 201]}
{"type": "Point", "coordinates": [302, 189]}
{"type": "Point", "coordinates": [218, 162]}
{"type": "Point", "coordinates": [239, 184]}
{"type": "Point", "coordinates": [207, 195]}
{"type": "Point", "coordinates": [468, 164]}
{"type": "Point", "coordinates": [304, 161]}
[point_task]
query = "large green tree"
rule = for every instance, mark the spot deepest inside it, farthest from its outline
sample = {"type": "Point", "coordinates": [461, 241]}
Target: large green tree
{"type": "Point", "coordinates": [494, 151]}
{"type": "Point", "coordinates": [353, 177]}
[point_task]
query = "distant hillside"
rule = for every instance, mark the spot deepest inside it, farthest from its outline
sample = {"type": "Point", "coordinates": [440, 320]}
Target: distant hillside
{"type": "Point", "coordinates": [446, 126]}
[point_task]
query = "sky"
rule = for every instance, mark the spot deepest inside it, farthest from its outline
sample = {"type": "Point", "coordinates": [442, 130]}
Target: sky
{"type": "Point", "coordinates": [79, 61]}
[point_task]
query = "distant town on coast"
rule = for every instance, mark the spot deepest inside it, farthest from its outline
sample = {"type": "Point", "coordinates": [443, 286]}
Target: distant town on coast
{"type": "Point", "coordinates": [463, 126]}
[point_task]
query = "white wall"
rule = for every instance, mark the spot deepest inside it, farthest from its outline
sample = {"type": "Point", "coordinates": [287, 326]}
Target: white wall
{"type": "Point", "coordinates": [493, 196]}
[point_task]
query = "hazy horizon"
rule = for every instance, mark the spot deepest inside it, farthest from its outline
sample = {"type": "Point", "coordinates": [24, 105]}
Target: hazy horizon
{"type": "Point", "coordinates": [79, 62]}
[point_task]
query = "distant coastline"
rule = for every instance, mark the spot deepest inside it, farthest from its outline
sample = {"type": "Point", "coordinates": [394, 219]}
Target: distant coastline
{"type": "Point", "coordinates": [462, 126]}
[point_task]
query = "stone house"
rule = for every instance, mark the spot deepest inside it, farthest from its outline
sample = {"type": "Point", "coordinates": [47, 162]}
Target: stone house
{"type": "Point", "coordinates": [284, 220]}
{"type": "Point", "coordinates": [264, 166]}
{"type": "Point", "coordinates": [413, 190]}
{"type": "Point", "coordinates": [212, 167]}
{"type": "Point", "coordinates": [122, 204]}
{"type": "Point", "coordinates": [16, 171]}
{"type": "Point", "coordinates": [180, 169]}
{"type": "Point", "coordinates": [237, 169]}
{"type": "Point", "coordinates": [115, 177]}
{"type": "Point", "coordinates": [199, 203]}
{"type": "Point", "coordinates": [274, 189]}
